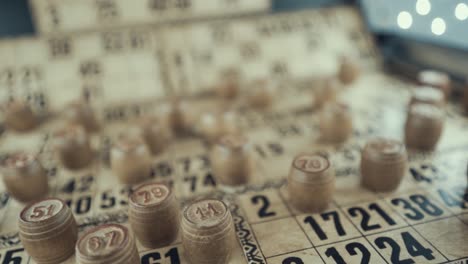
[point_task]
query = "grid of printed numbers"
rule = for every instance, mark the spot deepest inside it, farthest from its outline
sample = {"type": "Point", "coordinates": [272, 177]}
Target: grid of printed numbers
{"type": "Point", "coordinates": [51, 16]}
{"type": "Point", "coordinates": [424, 221]}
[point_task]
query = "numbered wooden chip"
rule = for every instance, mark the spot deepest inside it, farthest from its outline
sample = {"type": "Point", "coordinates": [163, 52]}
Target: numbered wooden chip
{"type": "Point", "coordinates": [42, 210]}
{"type": "Point", "coordinates": [103, 242]}
{"type": "Point", "coordinates": [154, 215]}
{"type": "Point", "coordinates": [24, 177]}
{"type": "Point", "coordinates": [206, 213]}
{"type": "Point", "coordinates": [48, 231]}
{"type": "Point", "coordinates": [207, 217]}
{"type": "Point", "coordinates": [311, 163]}
{"type": "Point", "coordinates": [311, 182]}
{"type": "Point", "coordinates": [311, 168]}
{"type": "Point", "coordinates": [150, 194]}
{"type": "Point", "coordinates": [109, 243]}
{"type": "Point", "coordinates": [207, 232]}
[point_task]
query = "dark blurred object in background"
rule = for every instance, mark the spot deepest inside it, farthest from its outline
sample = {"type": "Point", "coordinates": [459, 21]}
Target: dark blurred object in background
{"type": "Point", "coordinates": [284, 5]}
{"type": "Point", "coordinates": [15, 18]}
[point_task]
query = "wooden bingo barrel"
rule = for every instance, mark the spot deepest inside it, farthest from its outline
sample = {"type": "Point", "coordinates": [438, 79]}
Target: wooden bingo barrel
{"type": "Point", "coordinates": [311, 183]}
{"type": "Point", "coordinates": [109, 243]}
{"type": "Point", "coordinates": [261, 93]}
{"type": "Point", "coordinates": [48, 231]}
{"type": "Point", "coordinates": [349, 70]}
{"type": "Point", "coordinates": [81, 113]}
{"type": "Point", "coordinates": [207, 232]}
{"type": "Point", "coordinates": [212, 126]}
{"type": "Point", "coordinates": [383, 164]}
{"type": "Point", "coordinates": [229, 83]}
{"type": "Point", "coordinates": [20, 117]}
{"type": "Point", "coordinates": [130, 160]}
{"type": "Point", "coordinates": [335, 123]}
{"type": "Point", "coordinates": [155, 132]}
{"type": "Point", "coordinates": [436, 79]}
{"type": "Point", "coordinates": [232, 160]}
{"type": "Point", "coordinates": [181, 116]}
{"type": "Point", "coordinates": [73, 147]}
{"type": "Point", "coordinates": [427, 95]}
{"type": "Point", "coordinates": [154, 215]}
{"type": "Point", "coordinates": [325, 90]}
{"type": "Point", "coordinates": [424, 125]}
{"type": "Point", "coordinates": [24, 177]}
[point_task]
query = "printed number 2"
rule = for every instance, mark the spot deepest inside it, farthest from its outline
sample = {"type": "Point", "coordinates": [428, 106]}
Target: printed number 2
{"type": "Point", "coordinates": [356, 211]}
{"type": "Point", "coordinates": [263, 211]}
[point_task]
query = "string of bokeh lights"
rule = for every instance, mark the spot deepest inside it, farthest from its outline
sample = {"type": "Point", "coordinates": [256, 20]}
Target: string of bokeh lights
{"type": "Point", "coordinates": [438, 24]}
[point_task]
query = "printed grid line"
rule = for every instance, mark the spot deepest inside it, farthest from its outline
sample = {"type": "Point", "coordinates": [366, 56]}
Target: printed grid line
{"type": "Point", "coordinates": [290, 252]}
{"type": "Point", "coordinates": [362, 234]}
{"type": "Point", "coordinates": [382, 199]}
{"type": "Point", "coordinates": [457, 215]}
{"type": "Point", "coordinates": [453, 261]}
{"type": "Point", "coordinates": [297, 222]}
{"type": "Point", "coordinates": [412, 226]}
{"type": "Point", "coordinates": [253, 235]}
{"type": "Point", "coordinates": [429, 194]}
